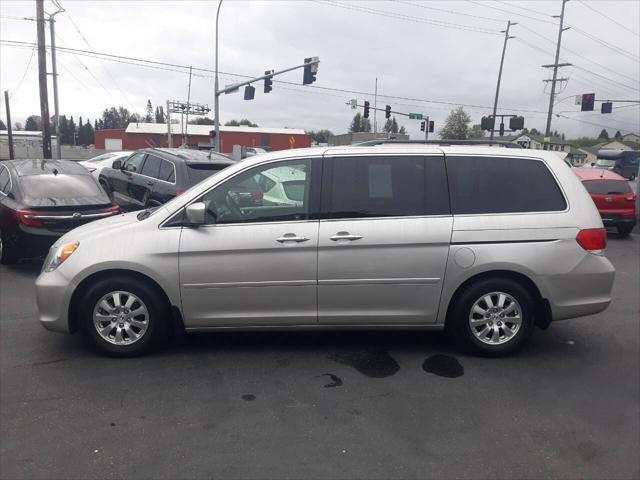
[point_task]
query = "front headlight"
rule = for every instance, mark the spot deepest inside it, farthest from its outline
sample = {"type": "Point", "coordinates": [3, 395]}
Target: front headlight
{"type": "Point", "coordinates": [58, 255]}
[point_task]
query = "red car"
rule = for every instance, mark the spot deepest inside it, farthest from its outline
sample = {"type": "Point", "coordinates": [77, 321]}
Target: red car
{"type": "Point", "coordinates": [613, 197]}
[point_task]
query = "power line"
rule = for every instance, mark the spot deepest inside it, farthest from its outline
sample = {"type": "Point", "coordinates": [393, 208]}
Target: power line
{"type": "Point", "coordinates": [399, 16]}
{"type": "Point", "coordinates": [133, 60]}
{"type": "Point", "coordinates": [511, 12]}
{"type": "Point", "coordinates": [609, 18]}
{"type": "Point", "coordinates": [106, 70]}
{"type": "Point", "coordinates": [25, 71]}
{"type": "Point", "coordinates": [608, 45]}
{"type": "Point", "coordinates": [447, 11]}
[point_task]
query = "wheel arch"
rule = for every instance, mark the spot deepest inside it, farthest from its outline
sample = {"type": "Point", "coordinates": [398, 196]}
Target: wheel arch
{"type": "Point", "coordinates": [542, 307]}
{"type": "Point", "coordinates": [83, 286]}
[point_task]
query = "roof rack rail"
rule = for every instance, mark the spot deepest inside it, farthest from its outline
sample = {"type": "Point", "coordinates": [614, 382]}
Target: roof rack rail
{"type": "Point", "coordinates": [500, 143]}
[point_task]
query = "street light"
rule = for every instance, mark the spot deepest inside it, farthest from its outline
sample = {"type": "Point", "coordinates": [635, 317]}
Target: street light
{"type": "Point", "coordinates": [216, 106]}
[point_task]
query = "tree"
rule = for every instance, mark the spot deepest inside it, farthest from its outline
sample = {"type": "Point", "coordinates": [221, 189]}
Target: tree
{"type": "Point", "coordinates": [365, 125]}
{"type": "Point", "coordinates": [391, 125]}
{"type": "Point", "coordinates": [95, 125]}
{"type": "Point", "coordinates": [356, 123]}
{"type": "Point", "coordinates": [81, 140]}
{"type": "Point", "coordinates": [149, 116]}
{"type": "Point", "coordinates": [618, 134]}
{"type": "Point", "coordinates": [320, 136]}
{"type": "Point", "coordinates": [86, 133]}
{"type": "Point", "coordinates": [115, 118]}
{"type": "Point", "coordinates": [71, 131]}
{"type": "Point", "coordinates": [456, 125]}
{"type": "Point", "coordinates": [17, 126]}
{"type": "Point", "coordinates": [33, 124]}
{"type": "Point", "coordinates": [402, 131]}
{"type": "Point", "coordinates": [243, 122]}
{"type": "Point", "coordinates": [202, 121]}
{"type": "Point", "coordinates": [160, 118]}
{"type": "Point", "coordinates": [475, 132]}
{"type": "Point", "coordinates": [534, 131]}
{"type": "Point", "coordinates": [604, 135]}
{"type": "Point", "coordinates": [2, 125]}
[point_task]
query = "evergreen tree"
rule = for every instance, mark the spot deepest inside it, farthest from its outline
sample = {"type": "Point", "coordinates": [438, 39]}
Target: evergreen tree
{"type": "Point", "coordinates": [535, 131]}
{"type": "Point", "coordinates": [95, 125]}
{"type": "Point", "coordinates": [71, 131]}
{"type": "Point", "coordinates": [160, 117]}
{"type": "Point", "coordinates": [456, 125]}
{"type": "Point", "coordinates": [81, 140]}
{"type": "Point", "coordinates": [365, 125]}
{"type": "Point", "coordinates": [89, 133]}
{"type": "Point", "coordinates": [243, 122]}
{"type": "Point", "coordinates": [320, 136]}
{"type": "Point", "coordinates": [604, 135]}
{"type": "Point", "coordinates": [618, 135]}
{"type": "Point", "coordinates": [100, 124]}
{"type": "Point", "coordinates": [202, 121]}
{"type": "Point", "coordinates": [356, 123]}
{"type": "Point", "coordinates": [149, 117]}
{"type": "Point", "coordinates": [475, 132]}
{"type": "Point", "coordinates": [391, 125]}
{"type": "Point", "coordinates": [402, 131]}
{"type": "Point", "coordinates": [2, 125]}
{"type": "Point", "coordinates": [33, 124]}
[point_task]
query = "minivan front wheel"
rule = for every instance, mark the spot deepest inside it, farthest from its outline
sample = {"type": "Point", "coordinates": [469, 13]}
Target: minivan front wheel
{"type": "Point", "coordinates": [124, 317]}
{"type": "Point", "coordinates": [493, 317]}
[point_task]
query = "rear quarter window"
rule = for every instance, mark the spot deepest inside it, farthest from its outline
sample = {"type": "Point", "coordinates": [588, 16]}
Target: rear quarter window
{"type": "Point", "coordinates": [497, 185]}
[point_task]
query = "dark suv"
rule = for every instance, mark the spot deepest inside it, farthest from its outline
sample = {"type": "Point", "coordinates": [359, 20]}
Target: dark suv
{"type": "Point", "coordinates": [153, 176]}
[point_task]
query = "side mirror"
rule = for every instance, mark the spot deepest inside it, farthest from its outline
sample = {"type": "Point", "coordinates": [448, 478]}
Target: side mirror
{"type": "Point", "coordinates": [117, 164]}
{"type": "Point", "coordinates": [593, 164]}
{"type": "Point", "coordinates": [195, 214]}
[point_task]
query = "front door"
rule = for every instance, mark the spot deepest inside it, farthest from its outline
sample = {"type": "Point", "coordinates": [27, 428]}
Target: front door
{"type": "Point", "coordinates": [255, 260]}
{"type": "Point", "coordinates": [122, 186]}
{"type": "Point", "coordinates": [383, 246]}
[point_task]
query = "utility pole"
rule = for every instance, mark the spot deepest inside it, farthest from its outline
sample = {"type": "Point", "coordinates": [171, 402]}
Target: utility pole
{"type": "Point", "coordinates": [169, 136]}
{"type": "Point", "coordinates": [9, 130]}
{"type": "Point", "coordinates": [185, 133]}
{"type": "Point", "coordinates": [216, 97]}
{"type": "Point", "coordinates": [42, 76]}
{"type": "Point", "coordinates": [54, 73]}
{"type": "Point", "coordinates": [375, 111]}
{"type": "Point", "coordinates": [555, 68]}
{"type": "Point", "coordinates": [504, 49]}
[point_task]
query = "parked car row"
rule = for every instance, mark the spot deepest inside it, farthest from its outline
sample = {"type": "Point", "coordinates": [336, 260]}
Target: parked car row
{"type": "Point", "coordinates": [42, 200]}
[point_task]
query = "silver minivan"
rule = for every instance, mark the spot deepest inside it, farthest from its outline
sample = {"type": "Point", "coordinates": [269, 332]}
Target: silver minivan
{"type": "Point", "coordinates": [484, 242]}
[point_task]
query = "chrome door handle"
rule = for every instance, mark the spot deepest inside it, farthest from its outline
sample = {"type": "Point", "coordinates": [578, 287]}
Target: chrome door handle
{"type": "Point", "coordinates": [291, 237]}
{"type": "Point", "coordinates": [345, 236]}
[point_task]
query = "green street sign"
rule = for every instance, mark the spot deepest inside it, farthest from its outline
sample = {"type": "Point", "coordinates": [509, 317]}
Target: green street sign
{"type": "Point", "coordinates": [415, 116]}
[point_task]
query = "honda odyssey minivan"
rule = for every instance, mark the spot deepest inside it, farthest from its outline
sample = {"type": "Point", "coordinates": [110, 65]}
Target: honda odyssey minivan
{"type": "Point", "coordinates": [484, 242]}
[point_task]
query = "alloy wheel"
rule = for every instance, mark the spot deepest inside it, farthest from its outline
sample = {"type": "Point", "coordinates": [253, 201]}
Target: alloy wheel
{"type": "Point", "coordinates": [120, 318]}
{"type": "Point", "coordinates": [495, 318]}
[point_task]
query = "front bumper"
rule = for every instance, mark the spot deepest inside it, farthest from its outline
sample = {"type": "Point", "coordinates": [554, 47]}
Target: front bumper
{"type": "Point", "coordinates": [53, 295]}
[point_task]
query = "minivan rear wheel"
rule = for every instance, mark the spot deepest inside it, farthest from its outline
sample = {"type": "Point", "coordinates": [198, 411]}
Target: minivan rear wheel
{"type": "Point", "coordinates": [124, 317]}
{"type": "Point", "coordinates": [493, 317]}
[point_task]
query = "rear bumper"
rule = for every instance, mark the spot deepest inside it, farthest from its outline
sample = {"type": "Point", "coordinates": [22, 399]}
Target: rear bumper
{"type": "Point", "coordinates": [618, 222]}
{"type": "Point", "coordinates": [585, 290]}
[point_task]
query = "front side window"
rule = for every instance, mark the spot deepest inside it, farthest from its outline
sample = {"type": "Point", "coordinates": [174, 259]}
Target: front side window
{"type": "Point", "coordinates": [362, 187]}
{"type": "Point", "coordinates": [268, 193]}
{"type": "Point", "coordinates": [151, 167]}
{"type": "Point", "coordinates": [5, 180]}
{"type": "Point", "coordinates": [502, 185]}
{"type": "Point", "coordinates": [134, 163]}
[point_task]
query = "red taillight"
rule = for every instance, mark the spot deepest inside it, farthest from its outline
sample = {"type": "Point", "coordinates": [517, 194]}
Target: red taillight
{"type": "Point", "coordinates": [24, 217]}
{"type": "Point", "coordinates": [631, 197]}
{"type": "Point", "coordinates": [592, 239]}
{"type": "Point", "coordinates": [114, 210]}
{"type": "Point", "coordinates": [179, 192]}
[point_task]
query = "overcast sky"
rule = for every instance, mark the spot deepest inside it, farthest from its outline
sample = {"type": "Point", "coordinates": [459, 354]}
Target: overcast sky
{"type": "Point", "coordinates": [425, 52]}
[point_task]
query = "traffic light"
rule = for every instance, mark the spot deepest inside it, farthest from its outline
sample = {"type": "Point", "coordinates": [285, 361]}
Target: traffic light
{"type": "Point", "coordinates": [310, 71]}
{"type": "Point", "coordinates": [607, 107]}
{"type": "Point", "coordinates": [516, 123]}
{"type": "Point", "coordinates": [487, 123]}
{"type": "Point", "coordinates": [588, 99]}
{"type": "Point", "coordinates": [268, 82]}
{"type": "Point", "coordinates": [249, 92]}
{"type": "Point", "coordinates": [423, 125]}
{"type": "Point", "coordinates": [387, 111]}
{"type": "Point", "coordinates": [431, 124]}
{"type": "Point", "coordinates": [366, 109]}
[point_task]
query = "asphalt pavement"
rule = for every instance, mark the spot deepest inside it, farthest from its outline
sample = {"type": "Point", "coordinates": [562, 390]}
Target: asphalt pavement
{"type": "Point", "coordinates": [370, 405]}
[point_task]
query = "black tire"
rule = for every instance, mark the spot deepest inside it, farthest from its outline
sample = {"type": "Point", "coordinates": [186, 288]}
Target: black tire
{"type": "Point", "coordinates": [624, 230]}
{"type": "Point", "coordinates": [458, 322]}
{"type": "Point", "coordinates": [159, 322]}
{"type": "Point", "coordinates": [9, 250]}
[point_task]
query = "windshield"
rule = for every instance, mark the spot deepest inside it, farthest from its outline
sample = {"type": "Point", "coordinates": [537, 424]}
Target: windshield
{"type": "Point", "coordinates": [101, 158]}
{"type": "Point", "coordinates": [604, 187]}
{"type": "Point", "coordinates": [58, 190]}
{"type": "Point", "coordinates": [605, 163]}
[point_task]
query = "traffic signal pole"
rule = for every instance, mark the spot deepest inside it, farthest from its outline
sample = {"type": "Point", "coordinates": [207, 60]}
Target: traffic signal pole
{"type": "Point", "coordinates": [504, 49]}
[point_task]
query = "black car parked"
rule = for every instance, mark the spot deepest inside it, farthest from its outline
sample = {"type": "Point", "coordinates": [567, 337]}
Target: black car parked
{"type": "Point", "coordinates": [153, 176]}
{"type": "Point", "coordinates": [40, 200]}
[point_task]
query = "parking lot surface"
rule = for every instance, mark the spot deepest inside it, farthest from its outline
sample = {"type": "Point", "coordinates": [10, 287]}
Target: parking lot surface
{"type": "Point", "coordinates": [323, 405]}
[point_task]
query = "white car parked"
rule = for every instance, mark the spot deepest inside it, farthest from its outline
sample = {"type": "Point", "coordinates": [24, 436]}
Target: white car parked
{"type": "Point", "coordinates": [96, 164]}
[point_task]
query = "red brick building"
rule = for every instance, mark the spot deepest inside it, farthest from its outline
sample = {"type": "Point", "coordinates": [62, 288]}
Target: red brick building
{"type": "Point", "coordinates": [144, 135]}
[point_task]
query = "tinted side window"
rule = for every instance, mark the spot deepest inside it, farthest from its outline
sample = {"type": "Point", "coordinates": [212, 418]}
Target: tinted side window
{"type": "Point", "coordinates": [4, 180]}
{"type": "Point", "coordinates": [134, 163]}
{"type": "Point", "coordinates": [151, 167]}
{"type": "Point", "coordinates": [386, 187]}
{"type": "Point", "coordinates": [502, 185]}
{"type": "Point", "coordinates": [167, 172]}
